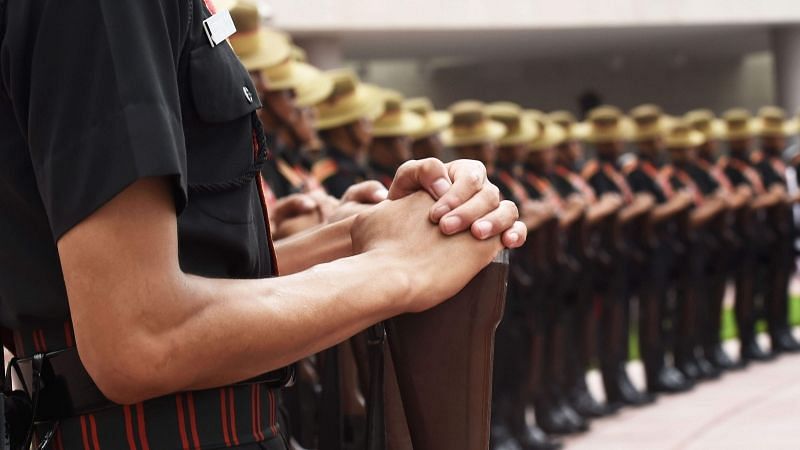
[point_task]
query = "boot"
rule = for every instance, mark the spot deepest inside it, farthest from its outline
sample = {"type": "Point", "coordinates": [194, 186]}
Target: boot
{"type": "Point", "coordinates": [619, 389]}
{"type": "Point", "coordinates": [530, 437]}
{"type": "Point", "coordinates": [534, 438]}
{"type": "Point", "coordinates": [719, 358]}
{"type": "Point", "coordinates": [579, 423]}
{"type": "Point", "coordinates": [783, 341]}
{"type": "Point", "coordinates": [552, 419]}
{"type": "Point", "coordinates": [688, 367]}
{"type": "Point", "coordinates": [707, 370]}
{"type": "Point", "coordinates": [751, 351]}
{"type": "Point", "coordinates": [582, 401]}
{"type": "Point", "coordinates": [668, 380]}
{"type": "Point", "coordinates": [501, 439]}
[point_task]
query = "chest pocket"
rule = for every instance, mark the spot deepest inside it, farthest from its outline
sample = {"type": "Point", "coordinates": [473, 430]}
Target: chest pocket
{"type": "Point", "coordinates": [223, 163]}
{"type": "Point", "coordinates": [221, 88]}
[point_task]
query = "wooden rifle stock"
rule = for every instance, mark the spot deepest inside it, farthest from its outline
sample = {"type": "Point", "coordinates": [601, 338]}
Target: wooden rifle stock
{"type": "Point", "coordinates": [442, 359]}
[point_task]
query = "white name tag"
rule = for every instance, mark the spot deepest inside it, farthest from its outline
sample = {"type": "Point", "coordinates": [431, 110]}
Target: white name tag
{"type": "Point", "coordinates": [219, 27]}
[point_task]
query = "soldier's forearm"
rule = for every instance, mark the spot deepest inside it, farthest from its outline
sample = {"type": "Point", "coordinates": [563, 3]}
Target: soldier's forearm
{"type": "Point", "coordinates": [321, 245]}
{"type": "Point", "coordinates": [667, 210]}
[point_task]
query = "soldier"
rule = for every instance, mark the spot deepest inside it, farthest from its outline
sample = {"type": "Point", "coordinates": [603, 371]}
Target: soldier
{"type": "Point", "coordinates": [750, 227]}
{"type": "Point", "coordinates": [659, 243]}
{"type": "Point", "coordinates": [473, 134]}
{"type": "Point", "coordinates": [560, 294]}
{"type": "Point", "coordinates": [345, 126]}
{"type": "Point", "coordinates": [584, 247]}
{"type": "Point", "coordinates": [712, 181]}
{"type": "Point", "coordinates": [163, 249]}
{"type": "Point", "coordinates": [778, 260]}
{"type": "Point", "coordinates": [700, 235]}
{"type": "Point", "coordinates": [607, 129]}
{"type": "Point", "coordinates": [279, 80]}
{"type": "Point", "coordinates": [427, 143]}
{"type": "Point", "coordinates": [391, 137]}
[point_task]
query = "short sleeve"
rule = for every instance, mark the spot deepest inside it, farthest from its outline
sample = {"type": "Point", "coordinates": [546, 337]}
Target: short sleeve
{"type": "Point", "coordinates": [104, 107]}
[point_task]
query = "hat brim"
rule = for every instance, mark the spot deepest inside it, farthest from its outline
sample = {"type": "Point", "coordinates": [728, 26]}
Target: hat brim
{"type": "Point", "coordinates": [790, 128]}
{"type": "Point", "coordinates": [622, 132]}
{"type": "Point", "coordinates": [524, 135]}
{"type": "Point", "coordinates": [665, 123]}
{"type": "Point", "coordinates": [434, 122]}
{"type": "Point", "coordinates": [408, 124]}
{"type": "Point", "coordinates": [553, 135]}
{"type": "Point", "coordinates": [315, 88]}
{"type": "Point", "coordinates": [273, 48]}
{"type": "Point", "coordinates": [694, 139]}
{"type": "Point", "coordinates": [492, 133]}
{"type": "Point", "coordinates": [750, 131]}
{"type": "Point", "coordinates": [365, 105]}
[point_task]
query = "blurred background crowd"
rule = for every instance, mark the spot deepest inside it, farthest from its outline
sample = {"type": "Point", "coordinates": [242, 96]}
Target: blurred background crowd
{"type": "Point", "coordinates": [658, 227]}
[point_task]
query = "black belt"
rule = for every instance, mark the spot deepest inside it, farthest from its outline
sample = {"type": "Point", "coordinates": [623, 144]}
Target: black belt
{"type": "Point", "coordinates": [65, 389]}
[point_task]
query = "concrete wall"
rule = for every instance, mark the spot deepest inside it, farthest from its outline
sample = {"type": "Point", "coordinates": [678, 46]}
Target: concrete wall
{"type": "Point", "coordinates": [328, 15]}
{"type": "Point", "coordinates": [677, 85]}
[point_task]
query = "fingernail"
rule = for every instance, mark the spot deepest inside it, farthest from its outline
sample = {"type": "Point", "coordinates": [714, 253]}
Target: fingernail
{"type": "Point", "coordinates": [308, 203]}
{"type": "Point", "coordinates": [484, 228]}
{"type": "Point", "coordinates": [451, 224]}
{"type": "Point", "coordinates": [381, 195]}
{"type": "Point", "coordinates": [439, 212]}
{"type": "Point", "coordinates": [440, 187]}
{"type": "Point", "coordinates": [514, 236]}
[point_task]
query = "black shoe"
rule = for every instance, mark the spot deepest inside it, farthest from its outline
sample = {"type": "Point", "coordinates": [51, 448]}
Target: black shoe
{"type": "Point", "coordinates": [621, 390]}
{"type": "Point", "coordinates": [579, 423]}
{"type": "Point", "coordinates": [532, 437]}
{"type": "Point", "coordinates": [751, 351]}
{"type": "Point", "coordinates": [501, 439]}
{"type": "Point", "coordinates": [784, 342]}
{"type": "Point", "coordinates": [707, 370]}
{"type": "Point", "coordinates": [688, 368]}
{"type": "Point", "coordinates": [586, 405]}
{"type": "Point", "coordinates": [719, 358]}
{"type": "Point", "coordinates": [669, 381]}
{"type": "Point", "coordinates": [553, 420]}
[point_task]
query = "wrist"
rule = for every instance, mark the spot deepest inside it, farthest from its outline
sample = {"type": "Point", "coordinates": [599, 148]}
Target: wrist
{"type": "Point", "coordinates": [397, 279]}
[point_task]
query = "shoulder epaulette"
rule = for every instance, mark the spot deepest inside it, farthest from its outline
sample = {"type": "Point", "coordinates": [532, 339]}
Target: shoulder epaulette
{"type": "Point", "coordinates": [590, 169]}
{"type": "Point", "coordinates": [324, 169]}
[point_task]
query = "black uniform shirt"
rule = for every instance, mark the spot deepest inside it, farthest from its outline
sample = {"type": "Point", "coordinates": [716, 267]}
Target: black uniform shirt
{"type": "Point", "coordinates": [768, 167]}
{"type": "Point", "coordinates": [734, 170]}
{"type": "Point", "coordinates": [705, 181]}
{"type": "Point", "coordinates": [381, 173]}
{"type": "Point", "coordinates": [339, 171]}
{"type": "Point", "coordinates": [642, 182]}
{"type": "Point", "coordinates": [94, 95]}
{"type": "Point", "coordinates": [562, 183]}
{"type": "Point", "coordinates": [598, 173]}
{"type": "Point", "coordinates": [280, 185]}
{"type": "Point", "coordinates": [505, 178]}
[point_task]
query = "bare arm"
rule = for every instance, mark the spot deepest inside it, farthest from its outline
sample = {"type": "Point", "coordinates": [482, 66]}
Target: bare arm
{"type": "Point", "coordinates": [641, 204]}
{"type": "Point", "coordinates": [608, 204]}
{"type": "Point", "coordinates": [775, 195]}
{"type": "Point", "coordinates": [572, 211]}
{"type": "Point", "coordinates": [705, 212]}
{"type": "Point", "coordinates": [667, 210]}
{"type": "Point", "coordinates": [195, 332]}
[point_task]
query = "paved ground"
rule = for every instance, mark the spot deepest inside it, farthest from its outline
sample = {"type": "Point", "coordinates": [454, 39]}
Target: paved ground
{"type": "Point", "coordinates": [757, 408]}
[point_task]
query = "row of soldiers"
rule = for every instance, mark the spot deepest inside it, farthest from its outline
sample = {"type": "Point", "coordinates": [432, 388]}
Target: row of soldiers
{"type": "Point", "coordinates": [646, 239]}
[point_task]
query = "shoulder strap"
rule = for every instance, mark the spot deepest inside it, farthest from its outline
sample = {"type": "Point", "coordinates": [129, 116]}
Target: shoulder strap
{"type": "Point", "coordinates": [324, 169]}
{"type": "Point", "coordinates": [589, 169]}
